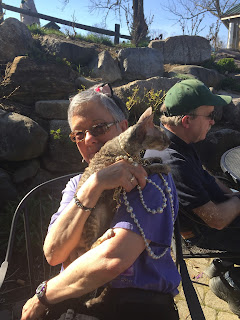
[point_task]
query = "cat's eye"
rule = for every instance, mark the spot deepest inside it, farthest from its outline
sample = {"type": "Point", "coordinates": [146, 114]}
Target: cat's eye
{"type": "Point", "coordinates": [96, 130]}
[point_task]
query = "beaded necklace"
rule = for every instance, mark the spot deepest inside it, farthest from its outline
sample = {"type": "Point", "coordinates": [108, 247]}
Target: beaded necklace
{"type": "Point", "coordinates": [152, 211]}
{"type": "Point", "coordinates": [159, 210]}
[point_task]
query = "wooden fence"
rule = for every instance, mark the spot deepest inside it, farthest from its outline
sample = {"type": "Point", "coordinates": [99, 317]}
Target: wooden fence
{"type": "Point", "coordinates": [115, 33]}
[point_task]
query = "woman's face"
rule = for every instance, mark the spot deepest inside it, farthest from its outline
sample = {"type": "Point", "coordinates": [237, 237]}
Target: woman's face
{"type": "Point", "coordinates": [93, 113]}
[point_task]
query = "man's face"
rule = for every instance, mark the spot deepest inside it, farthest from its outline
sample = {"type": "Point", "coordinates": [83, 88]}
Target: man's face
{"type": "Point", "coordinates": [201, 123]}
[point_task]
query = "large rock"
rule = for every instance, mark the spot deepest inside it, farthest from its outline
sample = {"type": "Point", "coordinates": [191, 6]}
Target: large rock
{"type": "Point", "coordinates": [82, 82]}
{"type": "Point", "coordinates": [52, 109]}
{"type": "Point", "coordinates": [140, 63]}
{"type": "Point", "coordinates": [210, 77]}
{"type": "Point", "coordinates": [30, 81]}
{"type": "Point", "coordinates": [21, 138]}
{"type": "Point", "coordinates": [15, 39]}
{"type": "Point", "coordinates": [27, 170]}
{"type": "Point", "coordinates": [183, 49]}
{"type": "Point", "coordinates": [160, 84]}
{"type": "Point", "coordinates": [155, 83]}
{"type": "Point", "coordinates": [72, 51]}
{"type": "Point", "coordinates": [231, 113]}
{"type": "Point", "coordinates": [7, 188]}
{"type": "Point", "coordinates": [62, 154]}
{"type": "Point", "coordinates": [105, 67]}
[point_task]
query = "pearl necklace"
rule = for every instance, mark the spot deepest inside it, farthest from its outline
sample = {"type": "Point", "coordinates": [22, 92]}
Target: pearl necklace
{"type": "Point", "coordinates": [129, 159]}
{"type": "Point", "coordinates": [153, 211]}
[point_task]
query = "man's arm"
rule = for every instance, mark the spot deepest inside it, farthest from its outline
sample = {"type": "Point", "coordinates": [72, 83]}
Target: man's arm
{"type": "Point", "coordinates": [223, 187]}
{"type": "Point", "coordinates": [95, 268]}
{"type": "Point", "coordinates": [219, 216]}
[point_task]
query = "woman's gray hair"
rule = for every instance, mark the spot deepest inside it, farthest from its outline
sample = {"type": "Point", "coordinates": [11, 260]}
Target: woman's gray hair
{"type": "Point", "coordinates": [113, 104]}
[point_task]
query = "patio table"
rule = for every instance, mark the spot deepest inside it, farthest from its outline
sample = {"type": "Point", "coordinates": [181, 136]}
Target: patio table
{"type": "Point", "coordinates": [230, 163]}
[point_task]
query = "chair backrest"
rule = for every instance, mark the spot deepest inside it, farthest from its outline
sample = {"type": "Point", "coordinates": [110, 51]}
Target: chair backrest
{"type": "Point", "coordinates": [36, 209]}
{"type": "Point", "coordinates": [193, 303]}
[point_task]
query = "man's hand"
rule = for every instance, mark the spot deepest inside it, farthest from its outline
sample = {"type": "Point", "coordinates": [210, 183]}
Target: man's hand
{"type": "Point", "coordinates": [33, 309]}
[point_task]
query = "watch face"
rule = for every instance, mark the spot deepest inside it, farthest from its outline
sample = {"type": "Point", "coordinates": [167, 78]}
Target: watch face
{"type": "Point", "coordinates": [41, 289]}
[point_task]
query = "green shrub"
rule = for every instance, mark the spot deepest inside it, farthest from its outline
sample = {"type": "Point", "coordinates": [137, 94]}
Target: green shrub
{"type": "Point", "coordinates": [92, 37]}
{"type": "Point", "coordinates": [126, 44]}
{"type": "Point", "coordinates": [226, 64]}
{"type": "Point", "coordinates": [143, 43]}
{"type": "Point", "coordinates": [35, 29]}
{"type": "Point", "coordinates": [138, 102]}
{"type": "Point", "coordinates": [223, 65]}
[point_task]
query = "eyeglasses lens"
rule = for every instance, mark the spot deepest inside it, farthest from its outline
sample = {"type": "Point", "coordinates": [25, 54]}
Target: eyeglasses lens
{"type": "Point", "coordinates": [98, 130]}
{"type": "Point", "coordinates": [212, 115]}
{"type": "Point", "coordinates": [95, 131]}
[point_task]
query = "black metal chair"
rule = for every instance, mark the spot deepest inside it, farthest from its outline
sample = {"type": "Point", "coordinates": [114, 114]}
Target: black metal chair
{"type": "Point", "coordinates": [50, 192]}
{"type": "Point", "coordinates": [183, 251]}
{"type": "Point", "coordinates": [198, 252]}
{"type": "Point", "coordinates": [193, 303]}
{"type": "Point", "coordinates": [41, 202]}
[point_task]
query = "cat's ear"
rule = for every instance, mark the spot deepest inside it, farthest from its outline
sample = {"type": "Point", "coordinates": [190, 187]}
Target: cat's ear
{"type": "Point", "coordinates": [146, 114]}
{"type": "Point", "coordinates": [147, 118]}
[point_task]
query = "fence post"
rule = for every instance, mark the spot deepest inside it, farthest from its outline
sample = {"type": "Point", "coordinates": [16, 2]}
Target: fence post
{"type": "Point", "coordinates": [117, 33]}
{"type": "Point", "coordinates": [1, 12]}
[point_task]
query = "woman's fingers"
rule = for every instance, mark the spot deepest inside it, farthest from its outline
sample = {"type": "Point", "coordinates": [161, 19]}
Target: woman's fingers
{"type": "Point", "coordinates": [122, 174]}
{"type": "Point", "coordinates": [140, 176]}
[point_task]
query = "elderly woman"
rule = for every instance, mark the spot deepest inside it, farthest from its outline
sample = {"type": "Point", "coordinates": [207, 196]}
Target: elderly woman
{"type": "Point", "coordinates": [140, 286]}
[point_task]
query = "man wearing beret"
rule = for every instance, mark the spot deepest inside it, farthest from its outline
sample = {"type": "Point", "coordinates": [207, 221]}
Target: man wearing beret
{"type": "Point", "coordinates": [211, 210]}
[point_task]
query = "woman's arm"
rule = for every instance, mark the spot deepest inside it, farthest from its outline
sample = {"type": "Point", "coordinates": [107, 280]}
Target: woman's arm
{"type": "Point", "coordinates": [95, 268]}
{"type": "Point", "coordinates": [66, 231]}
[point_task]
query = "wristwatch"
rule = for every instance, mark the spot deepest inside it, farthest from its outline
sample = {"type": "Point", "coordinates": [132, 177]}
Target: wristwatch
{"type": "Point", "coordinates": [41, 293]}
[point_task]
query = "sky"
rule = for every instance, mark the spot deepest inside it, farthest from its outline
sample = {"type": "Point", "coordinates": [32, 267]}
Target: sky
{"type": "Point", "coordinates": [163, 22]}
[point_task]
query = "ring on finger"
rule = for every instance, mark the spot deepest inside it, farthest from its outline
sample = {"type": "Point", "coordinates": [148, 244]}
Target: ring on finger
{"type": "Point", "coordinates": [132, 179]}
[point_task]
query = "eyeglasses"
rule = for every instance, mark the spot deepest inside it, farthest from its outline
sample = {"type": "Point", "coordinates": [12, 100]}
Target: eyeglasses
{"type": "Point", "coordinates": [96, 130]}
{"type": "Point", "coordinates": [211, 116]}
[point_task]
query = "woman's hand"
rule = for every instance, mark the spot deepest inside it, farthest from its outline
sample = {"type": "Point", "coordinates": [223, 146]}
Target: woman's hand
{"type": "Point", "coordinates": [33, 309]}
{"type": "Point", "coordinates": [122, 174]}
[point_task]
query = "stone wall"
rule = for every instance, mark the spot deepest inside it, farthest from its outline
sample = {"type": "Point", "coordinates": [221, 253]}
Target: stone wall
{"type": "Point", "coordinates": [34, 97]}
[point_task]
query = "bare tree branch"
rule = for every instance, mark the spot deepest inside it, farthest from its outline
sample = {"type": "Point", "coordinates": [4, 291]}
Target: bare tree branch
{"type": "Point", "coordinates": [133, 12]}
{"type": "Point", "coordinates": [190, 14]}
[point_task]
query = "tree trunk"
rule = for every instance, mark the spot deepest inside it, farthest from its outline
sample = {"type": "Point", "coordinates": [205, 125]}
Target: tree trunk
{"type": "Point", "coordinates": [139, 26]}
{"type": "Point", "coordinates": [1, 12]}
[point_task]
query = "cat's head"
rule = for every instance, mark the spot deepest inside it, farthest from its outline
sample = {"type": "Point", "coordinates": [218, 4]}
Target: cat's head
{"type": "Point", "coordinates": [144, 135]}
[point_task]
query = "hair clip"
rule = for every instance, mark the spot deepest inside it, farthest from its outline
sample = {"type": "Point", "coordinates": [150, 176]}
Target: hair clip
{"type": "Point", "coordinates": [105, 89]}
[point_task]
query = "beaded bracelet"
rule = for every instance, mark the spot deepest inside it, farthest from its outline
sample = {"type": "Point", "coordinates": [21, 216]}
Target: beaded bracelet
{"type": "Point", "coordinates": [80, 205]}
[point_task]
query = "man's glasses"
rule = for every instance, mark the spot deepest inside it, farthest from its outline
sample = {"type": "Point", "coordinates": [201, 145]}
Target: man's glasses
{"type": "Point", "coordinates": [211, 116]}
{"type": "Point", "coordinates": [95, 131]}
